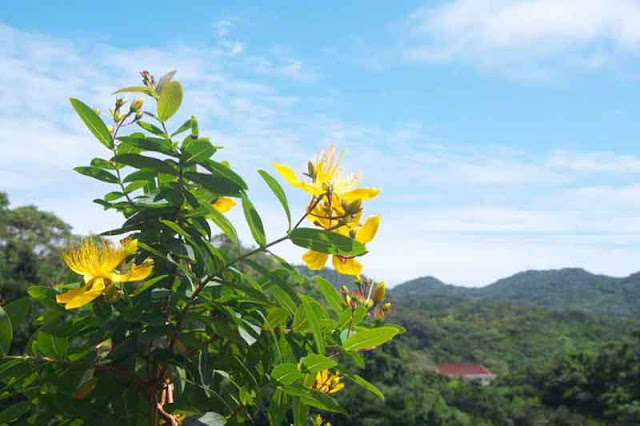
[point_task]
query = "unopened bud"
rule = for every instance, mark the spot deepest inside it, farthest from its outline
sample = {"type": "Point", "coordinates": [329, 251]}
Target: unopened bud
{"type": "Point", "coordinates": [147, 79]}
{"type": "Point", "coordinates": [110, 128]}
{"type": "Point", "coordinates": [379, 293]}
{"type": "Point", "coordinates": [348, 299]}
{"type": "Point", "coordinates": [139, 115]}
{"type": "Point", "coordinates": [344, 289]}
{"type": "Point", "coordinates": [311, 170]}
{"type": "Point", "coordinates": [119, 103]}
{"type": "Point", "coordinates": [386, 307]}
{"type": "Point", "coordinates": [369, 303]}
{"type": "Point", "coordinates": [352, 208]}
{"type": "Point", "coordinates": [136, 105]}
{"type": "Point", "coordinates": [97, 111]}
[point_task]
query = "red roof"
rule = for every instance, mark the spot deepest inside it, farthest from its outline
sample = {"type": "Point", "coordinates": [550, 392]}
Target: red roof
{"type": "Point", "coordinates": [461, 369]}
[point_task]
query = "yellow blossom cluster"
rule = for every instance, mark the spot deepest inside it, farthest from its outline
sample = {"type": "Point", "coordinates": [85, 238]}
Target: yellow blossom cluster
{"type": "Point", "coordinates": [327, 382]}
{"type": "Point", "coordinates": [336, 206]}
{"type": "Point", "coordinates": [96, 261]}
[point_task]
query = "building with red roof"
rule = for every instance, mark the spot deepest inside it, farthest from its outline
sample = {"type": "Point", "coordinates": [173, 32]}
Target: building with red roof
{"type": "Point", "coordinates": [466, 371]}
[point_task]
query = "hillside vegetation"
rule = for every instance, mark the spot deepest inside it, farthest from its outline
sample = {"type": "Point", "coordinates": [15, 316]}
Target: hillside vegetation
{"type": "Point", "coordinates": [560, 356]}
{"type": "Point", "coordinates": [562, 289]}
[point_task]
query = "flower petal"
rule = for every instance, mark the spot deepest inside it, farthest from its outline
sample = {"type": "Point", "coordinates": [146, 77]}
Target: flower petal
{"type": "Point", "coordinates": [360, 194]}
{"type": "Point", "coordinates": [129, 246]}
{"type": "Point", "coordinates": [347, 266]}
{"type": "Point", "coordinates": [368, 230]}
{"type": "Point", "coordinates": [72, 294]}
{"type": "Point", "coordinates": [288, 175]}
{"type": "Point", "coordinates": [135, 273]}
{"type": "Point", "coordinates": [315, 260]}
{"type": "Point", "coordinates": [94, 289]}
{"type": "Point", "coordinates": [223, 204]}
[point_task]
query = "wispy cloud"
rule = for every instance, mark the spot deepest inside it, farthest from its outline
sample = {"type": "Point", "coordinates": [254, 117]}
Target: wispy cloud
{"type": "Point", "coordinates": [465, 213]}
{"type": "Point", "coordinates": [530, 38]}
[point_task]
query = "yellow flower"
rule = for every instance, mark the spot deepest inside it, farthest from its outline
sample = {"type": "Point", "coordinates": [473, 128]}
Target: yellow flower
{"type": "Point", "coordinates": [342, 264]}
{"type": "Point", "coordinates": [327, 383]}
{"type": "Point", "coordinates": [328, 178]}
{"type": "Point", "coordinates": [223, 204]}
{"type": "Point", "coordinates": [96, 262]}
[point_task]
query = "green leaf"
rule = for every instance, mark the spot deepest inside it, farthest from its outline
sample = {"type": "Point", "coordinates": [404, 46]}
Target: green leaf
{"type": "Point", "coordinates": [170, 100]}
{"type": "Point", "coordinates": [254, 221]}
{"type": "Point", "coordinates": [300, 412]}
{"type": "Point", "coordinates": [147, 143]}
{"type": "Point", "coordinates": [314, 322]}
{"type": "Point", "coordinates": [142, 162]}
{"type": "Point", "coordinates": [314, 363]}
{"type": "Point", "coordinates": [283, 299]}
{"type": "Point", "coordinates": [326, 242]}
{"type": "Point", "coordinates": [219, 185]}
{"type": "Point", "coordinates": [331, 295]}
{"type": "Point", "coordinates": [366, 385]}
{"type": "Point", "coordinates": [369, 338]}
{"type": "Point", "coordinates": [6, 332]}
{"type": "Point", "coordinates": [102, 164]}
{"type": "Point", "coordinates": [219, 169]}
{"type": "Point", "coordinates": [286, 373]}
{"type": "Point", "coordinates": [185, 126]}
{"type": "Point", "coordinates": [13, 413]}
{"type": "Point", "coordinates": [314, 398]}
{"type": "Point", "coordinates": [136, 89]}
{"type": "Point", "coordinates": [275, 318]}
{"type": "Point", "coordinates": [50, 346]}
{"type": "Point", "coordinates": [93, 122]}
{"type": "Point", "coordinates": [97, 173]}
{"type": "Point", "coordinates": [198, 150]}
{"type": "Point", "coordinates": [18, 310]}
{"type": "Point", "coordinates": [278, 191]}
{"type": "Point", "coordinates": [140, 175]}
{"type": "Point", "coordinates": [207, 419]}
{"type": "Point", "coordinates": [216, 217]}
{"type": "Point", "coordinates": [44, 295]}
{"type": "Point", "coordinates": [148, 284]}
{"type": "Point", "coordinates": [150, 128]}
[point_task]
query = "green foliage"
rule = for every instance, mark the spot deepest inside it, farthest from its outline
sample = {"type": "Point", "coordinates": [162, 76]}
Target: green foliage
{"type": "Point", "coordinates": [568, 288]}
{"type": "Point", "coordinates": [30, 244]}
{"type": "Point", "coordinates": [184, 324]}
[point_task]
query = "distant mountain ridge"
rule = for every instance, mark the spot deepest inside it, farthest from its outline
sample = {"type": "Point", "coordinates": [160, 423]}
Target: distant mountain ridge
{"type": "Point", "coordinates": [560, 289]}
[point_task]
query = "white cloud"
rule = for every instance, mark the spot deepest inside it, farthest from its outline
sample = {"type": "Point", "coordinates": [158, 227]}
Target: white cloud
{"type": "Point", "coordinates": [533, 37]}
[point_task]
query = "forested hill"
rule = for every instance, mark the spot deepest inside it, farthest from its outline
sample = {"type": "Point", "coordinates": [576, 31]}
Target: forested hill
{"type": "Point", "coordinates": [563, 289]}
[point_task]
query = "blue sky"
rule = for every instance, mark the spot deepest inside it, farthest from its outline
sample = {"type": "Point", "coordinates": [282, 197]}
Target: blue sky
{"type": "Point", "coordinates": [503, 133]}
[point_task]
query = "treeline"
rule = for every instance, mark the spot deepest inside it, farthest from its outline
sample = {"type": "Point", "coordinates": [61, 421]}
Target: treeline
{"type": "Point", "coordinates": [553, 367]}
{"type": "Point", "coordinates": [30, 245]}
{"type": "Point", "coordinates": [558, 368]}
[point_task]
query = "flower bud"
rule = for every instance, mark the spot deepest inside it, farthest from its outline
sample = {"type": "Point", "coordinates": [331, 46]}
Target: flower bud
{"type": "Point", "coordinates": [119, 103]}
{"type": "Point", "coordinates": [344, 289]}
{"type": "Point", "coordinates": [379, 293]}
{"type": "Point", "coordinates": [386, 307]}
{"type": "Point", "coordinates": [369, 303]}
{"type": "Point", "coordinates": [311, 170]}
{"type": "Point", "coordinates": [139, 115]}
{"type": "Point", "coordinates": [136, 105]}
{"type": "Point", "coordinates": [97, 111]}
{"type": "Point", "coordinates": [147, 79]}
